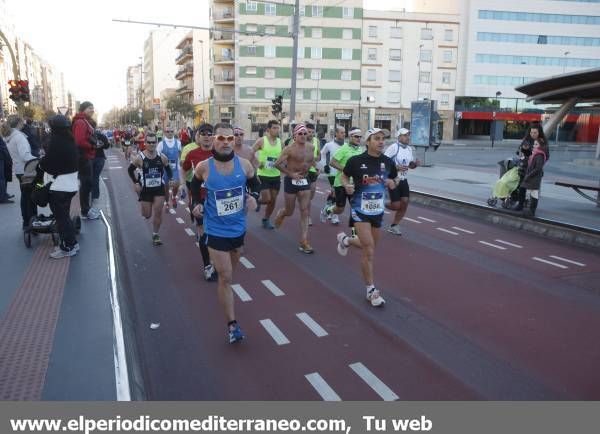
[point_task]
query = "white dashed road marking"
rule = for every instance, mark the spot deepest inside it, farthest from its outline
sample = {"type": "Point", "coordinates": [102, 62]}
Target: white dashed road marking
{"type": "Point", "coordinates": [466, 231]}
{"type": "Point", "coordinates": [115, 167]}
{"type": "Point", "coordinates": [374, 383]}
{"type": "Point", "coordinates": [241, 292]}
{"type": "Point", "coordinates": [182, 203]}
{"type": "Point", "coordinates": [506, 243]}
{"type": "Point", "coordinates": [172, 211]}
{"type": "Point", "coordinates": [246, 263]}
{"type": "Point", "coordinates": [412, 220]}
{"type": "Point", "coordinates": [274, 331]}
{"type": "Point", "coordinates": [495, 246]}
{"type": "Point", "coordinates": [273, 288]}
{"type": "Point", "coordinates": [187, 210]}
{"type": "Point", "coordinates": [179, 220]}
{"type": "Point", "coordinates": [554, 264]}
{"type": "Point", "coordinates": [190, 232]}
{"type": "Point", "coordinates": [568, 261]}
{"type": "Point", "coordinates": [322, 388]}
{"type": "Point", "coordinates": [426, 219]}
{"type": "Point", "coordinates": [447, 231]}
{"type": "Point", "coordinates": [312, 324]}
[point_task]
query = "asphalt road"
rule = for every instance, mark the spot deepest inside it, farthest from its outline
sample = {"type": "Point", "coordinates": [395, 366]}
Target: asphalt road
{"type": "Point", "coordinates": [474, 311]}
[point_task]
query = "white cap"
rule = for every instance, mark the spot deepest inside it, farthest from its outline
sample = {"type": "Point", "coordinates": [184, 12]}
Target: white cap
{"type": "Point", "coordinates": [403, 131]}
{"type": "Point", "coordinates": [372, 131]}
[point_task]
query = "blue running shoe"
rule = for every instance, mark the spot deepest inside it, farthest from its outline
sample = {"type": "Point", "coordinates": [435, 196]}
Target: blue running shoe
{"type": "Point", "coordinates": [266, 224]}
{"type": "Point", "coordinates": [235, 334]}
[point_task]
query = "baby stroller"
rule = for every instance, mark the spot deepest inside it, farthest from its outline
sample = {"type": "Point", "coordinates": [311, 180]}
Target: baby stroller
{"type": "Point", "coordinates": [506, 188]}
{"type": "Point", "coordinates": [41, 224]}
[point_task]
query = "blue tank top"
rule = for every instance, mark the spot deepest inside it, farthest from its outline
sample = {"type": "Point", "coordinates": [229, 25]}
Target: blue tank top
{"type": "Point", "coordinates": [224, 207]}
{"type": "Point", "coordinates": [172, 155]}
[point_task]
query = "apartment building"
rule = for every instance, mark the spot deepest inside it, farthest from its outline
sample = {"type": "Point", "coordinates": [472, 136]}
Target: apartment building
{"type": "Point", "coordinates": [134, 86]}
{"type": "Point", "coordinates": [251, 68]}
{"type": "Point", "coordinates": [408, 57]}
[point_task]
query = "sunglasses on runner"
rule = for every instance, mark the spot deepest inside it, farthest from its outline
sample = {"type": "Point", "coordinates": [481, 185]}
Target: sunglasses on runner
{"type": "Point", "coordinates": [206, 133]}
{"type": "Point", "coordinates": [238, 134]}
{"type": "Point", "coordinates": [301, 134]}
{"type": "Point", "coordinates": [222, 138]}
{"type": "Point", "coordinates": [357, 137]}
{"type": "Point", "coordinates": [169, 131]}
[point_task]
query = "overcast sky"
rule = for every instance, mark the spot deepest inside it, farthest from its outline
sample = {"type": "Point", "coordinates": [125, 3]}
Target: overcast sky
{"type": "Point", "coordinates": [79, 38]}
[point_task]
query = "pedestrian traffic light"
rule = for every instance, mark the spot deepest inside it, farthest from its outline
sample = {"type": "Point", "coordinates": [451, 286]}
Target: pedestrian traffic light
{"type": "Point", "coordinates": [13, 89]}
{"type": "Point", "coordinates": [24, 90]}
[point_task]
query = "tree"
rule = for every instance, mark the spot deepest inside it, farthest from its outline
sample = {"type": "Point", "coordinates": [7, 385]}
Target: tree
{"type": "Point", "coordinates": [178, 105]}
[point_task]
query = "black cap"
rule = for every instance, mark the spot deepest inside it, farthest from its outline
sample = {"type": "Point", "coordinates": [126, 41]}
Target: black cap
{"type": "Point", "coordinates": [84, 105]}
{"type": "Point", "coordinates": [59, 121]}
{"type": "Point", "coordinates": [205, 127]}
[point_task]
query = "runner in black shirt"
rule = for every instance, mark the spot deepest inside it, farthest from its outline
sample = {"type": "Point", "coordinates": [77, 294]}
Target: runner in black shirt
{"type": "Point", "coordinates": [366, 178]}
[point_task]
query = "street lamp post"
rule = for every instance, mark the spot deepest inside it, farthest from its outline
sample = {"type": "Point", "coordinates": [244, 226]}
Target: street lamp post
{"type": "Point", "coordinates": [566, 53]}
{"type": "Point", "coordinates": [141, 82]}
{"type": "Point", "coordinates": [202, 60]}
{"type": "Point", "coordinates": [493, 126]}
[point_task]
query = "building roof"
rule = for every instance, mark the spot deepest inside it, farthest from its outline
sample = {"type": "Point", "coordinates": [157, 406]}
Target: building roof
{"type": "Point", "coordinates": [584, 85]}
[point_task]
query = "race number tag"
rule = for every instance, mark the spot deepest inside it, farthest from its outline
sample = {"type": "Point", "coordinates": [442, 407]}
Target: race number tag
{"type": "Point", "coordinates": [173, 164]}
{"type": "Point", "coordinates": [300, 182]}
{"type": "Point", "coordinates": [229, 201]}
{"type": "Point", "coordinates": [153, 180]}
{"type": "Point", "coordinates": [371, 202]}
{"type": "Point", "coordinates": [270, 164]}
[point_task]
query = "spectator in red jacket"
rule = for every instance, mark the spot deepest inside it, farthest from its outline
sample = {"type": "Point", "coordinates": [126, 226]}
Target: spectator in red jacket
{"type": "Point", "coordinates": [83, 132]}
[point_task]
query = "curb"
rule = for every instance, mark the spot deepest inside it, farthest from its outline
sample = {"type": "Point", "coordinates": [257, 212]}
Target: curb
{"type": "Point", "coordinates": [555, 230]}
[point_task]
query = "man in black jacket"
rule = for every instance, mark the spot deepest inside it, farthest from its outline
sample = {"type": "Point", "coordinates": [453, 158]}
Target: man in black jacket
{"type": "Point", "coordinates": [5, 172]}
{"type": "Point", "coordinates": [32, 137]}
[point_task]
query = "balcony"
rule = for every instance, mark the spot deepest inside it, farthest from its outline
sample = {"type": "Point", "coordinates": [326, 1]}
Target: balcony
{"type": "Point", "coordinates": [224, 16]}
{"type": "Point", "coordinates": [185, 42]}
{"type": "Point", "coordinates": [185, 71]}
{"type": "Point", "coordinates": [225, 78]}
{"type": "Point", "coordinates": [224, 60]}
{"type": "Point", "coordinates": [185, 54]}
{"type": "Point", "coordinates": [223, 37]}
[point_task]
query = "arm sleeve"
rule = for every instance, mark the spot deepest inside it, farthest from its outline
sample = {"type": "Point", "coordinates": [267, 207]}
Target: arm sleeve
{"type": "Point", "coordinates": [393, 171]}
{"type": "Point", "coordinates": [195, 189]}
{"type": "Point", "coordinates": [131, 172]}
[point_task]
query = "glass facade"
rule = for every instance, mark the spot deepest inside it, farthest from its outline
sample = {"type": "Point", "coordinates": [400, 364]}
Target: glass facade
{"type": "Point", "coordinates": [538, 39]}
{"type": "Point", "coordinates": [537, 60]}
{"type": "Point", "coordinates": [501, 80]}
{"type": "Point", "coordinates": [538, 17]}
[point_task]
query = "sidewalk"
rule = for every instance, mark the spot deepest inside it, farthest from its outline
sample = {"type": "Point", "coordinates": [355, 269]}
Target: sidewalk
{"type": "Point", "coordinates": [474, 184]}
{"type": "Point", "coordinates": [56, 322]}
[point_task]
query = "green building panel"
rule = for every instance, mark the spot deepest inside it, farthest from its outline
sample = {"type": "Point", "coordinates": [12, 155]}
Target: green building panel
{"type": "Point", "coordinates": [332, 53]}
{"type": "Point", "coordinates": [260, 51]}
{"type": "Point", "coordinates": [356, 54]}
{"type": "Point", "coordinates": [356, 74]}
{"type": "Point", "coordinates": [279, 30]}
{"type": "Point", "coordinates": [260, 93]}
{"type": "Point", "coordinates": [260, 11]}
{"type": "Point", "coordinates": [308, 32]}
{"type": "Point", "coordinates": [285, 10]}
{"type": "Point", "coordinates": [284, 52]}
{"type": "Point", "coordinates": [283, 73]}
{"type": "Point", "coordinates": [260, 72]}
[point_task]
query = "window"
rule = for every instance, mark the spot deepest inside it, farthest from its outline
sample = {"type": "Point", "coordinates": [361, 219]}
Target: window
{"type": "Point", "coordinates": [317, 32]}
{"type": "Point", "coordinates": [300, 95]}
{"type": "Point", "coordinates": [446, 77]}
{"type": "Point", "coordinates": [347, 34]}
{"type": "Point", "coordinates": [300, 74]}
{"type": "Point", "coordinates": [314, 94]}
{"type": "Point", "coordinates": [316, 53]}
{"type": "Point", "coordinates": [346, 95]}
{"type": "Point", "coordinates": [372, 31]}
{"type": "Point", "coordinates": [425, 55]}
{"type": "Point", "coordinates": [535, 39]}
{"type": "Point", "coordinates": [395, 75]}
{"type": "Point", "coordinates": [448, 56]}
{"type": "Point", "coordinates": [270, 73]}
{"type": "Point", "coordinates": [300, 52]}
{"type": "Point", "coordinates": [270, 30]}
{"type": "Point", "coordinates": [346, 75]}
{"type": "Point", "coordinates": [424, 76]}
{"type": "Point", "coordinates": [371, 96]}
{"type": "Point", "coordinates": [426, 34]}
{"type": "Point", "coordinates": [270, 9]}
{"type": "Point", "coordinates": [445, 99]}
{"type": "Point", "coordinates": [371, 75]}
{"type": "Point", "coordinates": [537, 60]}
{"type": "Point", "coordinates": [346, 53]}
{"type": "Point", "coordinates": [252, 28]}
{"type": "Point", "coordinates": [315, 74]}
{"type": "Point", "coordinates": [395, 54]}
{"type": "Point", "coordinates": [250, 70]}
{"type": "Point", "coordinates": [317, 11]}
{"type": "Point", "coordinates": [394, 97]}
{"type": "Point", "coordinates": [396, 32]}
{"type": "Point", "coordinates": [269, 93]}
{"type": "Point", "coordinates": [542, 39]}
{"type": "Point", "coordinates": [348, 12]}
{"type": "Point", "coordinates": [449, 35]}
{"type": "Point", "coordinates": [538, 17]}
{"type": "Point", "coordinates": [269, 51]}
{"type": "Point", "coordinates": [251, 51]}
{"type": "Point", "coordinates": [372, 54]}
{"type": "Point", "coordinates": [251, 7]}
{"type": "Point", "coordinates": [251, 91]}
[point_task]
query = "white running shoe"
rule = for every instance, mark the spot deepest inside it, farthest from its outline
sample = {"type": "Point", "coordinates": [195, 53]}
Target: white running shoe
{"type": "Point", "coordinates": [335, 219]}
{"type": "Point", "coordinates": [375, 298]}
{"type": "Point", "coordinates": [341, 248]}
{"type": "Point", "coordinates": [209, 273]}
{"type": "Point", "coordinates": [309, 221]}
{"type": "Point", "coordinates": [395, 229]}
{"type": "Point", "coordinates": [60, 253]}
{"type": "Point", "coordinates": [93, 214]}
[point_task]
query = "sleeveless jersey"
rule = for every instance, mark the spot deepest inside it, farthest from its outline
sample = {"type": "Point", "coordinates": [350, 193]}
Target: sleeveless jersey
{"type": "Point", "coordinates": [224, 214]}
{"type": "Point", "coordinates": [152, 172]}
{"type": "Point", "coordinates": [172, 154]}
{"type": "Point", "coordinates": [267, 157]}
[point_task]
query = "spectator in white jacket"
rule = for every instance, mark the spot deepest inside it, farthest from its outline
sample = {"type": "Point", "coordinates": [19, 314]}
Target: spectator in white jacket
{"type": "Point", "coordinates": [20, 152]}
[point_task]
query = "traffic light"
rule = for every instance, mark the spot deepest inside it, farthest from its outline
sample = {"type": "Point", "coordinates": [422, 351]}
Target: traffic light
{"type": "Point", "coordinates": [24, 90]}
{"type": "Point", "coordinates": [277, 105]}
{"type": "Point", "coordinates": [14, 90]}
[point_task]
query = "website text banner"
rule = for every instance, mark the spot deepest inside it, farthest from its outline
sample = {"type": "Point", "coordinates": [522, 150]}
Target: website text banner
{"type": "Point", "coordinates": [301, 417]}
